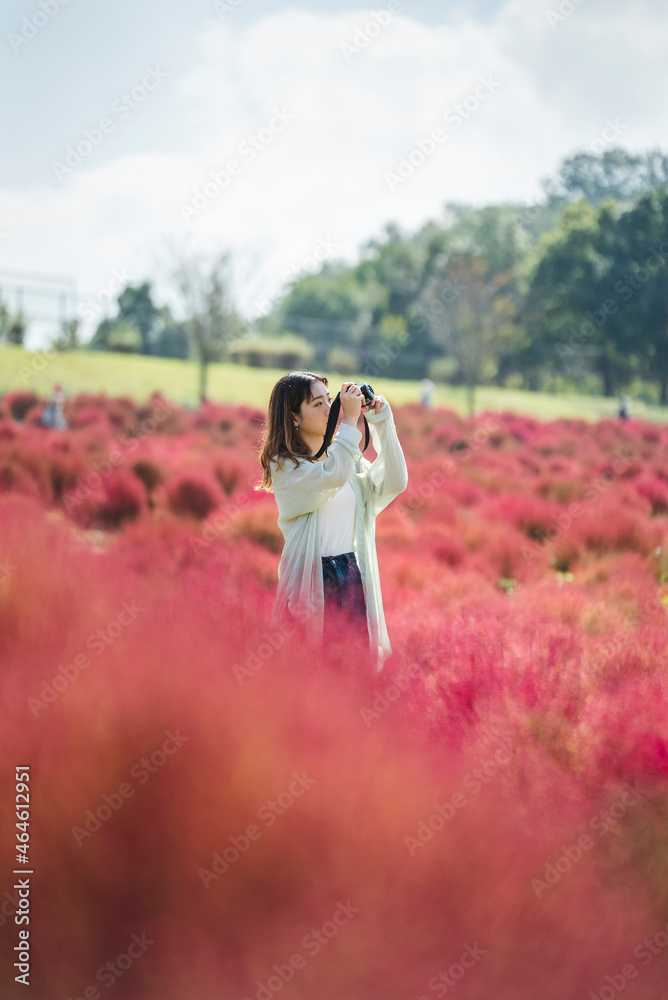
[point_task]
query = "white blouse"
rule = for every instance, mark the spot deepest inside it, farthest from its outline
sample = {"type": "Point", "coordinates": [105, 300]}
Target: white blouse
{"type": "Point", "coordinates": [337, 522]}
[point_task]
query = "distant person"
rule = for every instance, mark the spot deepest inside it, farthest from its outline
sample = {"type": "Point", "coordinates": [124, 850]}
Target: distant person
{"type": "Point", "coordinates": [624, 408]}
{"type": "Point", "coordinates": [426, 391]}
{"type": "Point", "coordinates": [328, 579]}
{"type": "Point", "coordinates": [53, 415]}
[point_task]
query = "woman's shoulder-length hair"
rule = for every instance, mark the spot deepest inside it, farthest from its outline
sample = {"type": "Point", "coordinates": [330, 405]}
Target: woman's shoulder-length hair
{"type": "Point", "coordinates": [281, 439]}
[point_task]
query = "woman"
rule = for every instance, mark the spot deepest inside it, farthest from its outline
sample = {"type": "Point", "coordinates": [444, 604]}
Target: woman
{"type": "Point", "coordinates": [328, 573]}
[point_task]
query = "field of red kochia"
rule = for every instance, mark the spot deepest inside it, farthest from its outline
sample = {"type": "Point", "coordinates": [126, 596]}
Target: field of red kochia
{"type": "Point", "coordinates": [214, 815]}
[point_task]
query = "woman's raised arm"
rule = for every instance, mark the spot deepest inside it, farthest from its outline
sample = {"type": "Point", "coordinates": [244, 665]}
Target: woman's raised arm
{"type": "Point", "coordinates": [304, 489]}
{"type": "Point", "coordinates": [388, 474]}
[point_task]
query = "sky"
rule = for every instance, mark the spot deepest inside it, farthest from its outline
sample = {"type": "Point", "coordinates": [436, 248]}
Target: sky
{"type": "Point", "coordinates": [291, 133]}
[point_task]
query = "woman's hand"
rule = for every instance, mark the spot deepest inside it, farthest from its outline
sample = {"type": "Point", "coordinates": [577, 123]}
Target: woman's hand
{"type": "Point", "coordinates": [376, 406]}
{"type": "Point", "coordinates": [351, 402]}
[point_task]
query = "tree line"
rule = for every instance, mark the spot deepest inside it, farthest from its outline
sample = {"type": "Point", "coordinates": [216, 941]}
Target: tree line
{"type": "Point", "coordinates": [570, 292]}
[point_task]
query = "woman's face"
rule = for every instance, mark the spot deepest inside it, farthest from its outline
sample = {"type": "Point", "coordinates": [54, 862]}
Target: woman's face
{"type": "Point", "coordinates": [313, 416]}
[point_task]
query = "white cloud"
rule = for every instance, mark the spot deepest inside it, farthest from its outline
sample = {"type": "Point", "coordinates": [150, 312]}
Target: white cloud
{"type": "Point", "coordinates": [324, 174]}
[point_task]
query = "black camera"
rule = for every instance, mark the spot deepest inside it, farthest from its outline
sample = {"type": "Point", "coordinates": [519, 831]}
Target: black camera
{"type": "Point", "coordinates": [367, 392]}
{"type": "Point", "coordinates": [369, 397]}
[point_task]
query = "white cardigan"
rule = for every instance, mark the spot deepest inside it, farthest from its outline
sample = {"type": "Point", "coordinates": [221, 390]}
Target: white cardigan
{"type": "Point", "coordinates": [301, 491]}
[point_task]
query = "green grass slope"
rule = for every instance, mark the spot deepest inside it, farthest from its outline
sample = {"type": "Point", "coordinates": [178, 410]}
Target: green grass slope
{"type": "Point", "coordinates": [139, 376]}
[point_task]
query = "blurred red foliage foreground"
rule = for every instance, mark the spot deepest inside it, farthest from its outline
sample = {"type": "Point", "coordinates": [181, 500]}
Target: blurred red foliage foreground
{"type": "Point", "coordinates": [216, 815]}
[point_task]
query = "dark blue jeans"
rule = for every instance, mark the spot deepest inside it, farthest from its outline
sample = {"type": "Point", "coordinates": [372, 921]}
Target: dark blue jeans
{"type": "Point", "coordinates": [345, 603]}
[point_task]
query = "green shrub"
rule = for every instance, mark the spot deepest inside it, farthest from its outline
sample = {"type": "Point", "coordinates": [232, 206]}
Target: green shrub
{"type": "Point", "coordinates": [263, 351]}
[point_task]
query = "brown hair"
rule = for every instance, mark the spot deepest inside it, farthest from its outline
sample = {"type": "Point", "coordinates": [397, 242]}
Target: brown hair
{"type": "Point", "coordinates": [280, 438]}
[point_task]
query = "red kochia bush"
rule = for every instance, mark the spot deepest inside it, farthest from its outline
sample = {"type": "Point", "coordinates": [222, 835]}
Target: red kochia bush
{"type": "Point", "coordinates": [194, 494]}
{"type": "Point", "coordinates": [20, 402]}
{"type": "Point", "coordinates": [607, 526]}
{"type": "Point", "coordinates": [656, 491]}
{"type": "Point", "coordinates": [124, 500]}
{"type": "Point", "coordinates": [90, 416]}
{"type": "Point", "coordinates": [110, 503]}
{"type": "Point", "coordinates": [15, 478]}
{"type": "Point", "coordinates": [531, 515]}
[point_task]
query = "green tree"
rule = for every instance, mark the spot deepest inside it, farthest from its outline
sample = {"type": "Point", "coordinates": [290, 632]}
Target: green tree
{"type": "Point", "coordinates": [13, 326]}
{"type": "Point", "coordinates": [494, 233]}
{"type": "Point", "coordinates": [396, 268]}
{"type": "Point", "coordinates": [211, 320]}
{"type": "Point", "coordinates": [614, 173]}
{"type": "Point", "coordinates": [565, 281]}
{"type": "Point", "coordinates": [470, 314]}
{"type": "Point", "coordinates": [330, 309]}
{"type": "Point", "coordinates": [136, 306]}
{"type": "Point", "coordinates": [597, 288]}
{"type": "Point", "coordinates": [160, 333]}
{"type": "Point", "coordinates": [639, 282]}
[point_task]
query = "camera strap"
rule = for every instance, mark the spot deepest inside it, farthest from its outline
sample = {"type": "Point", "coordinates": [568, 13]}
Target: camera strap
{"type": "Point", "coordinates": [331, 425]}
